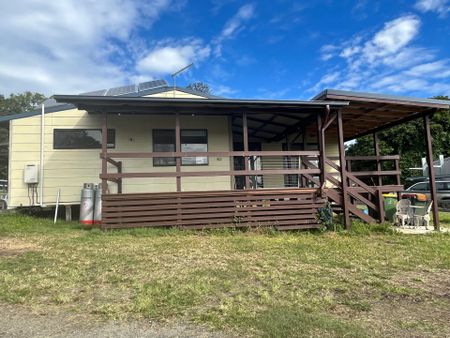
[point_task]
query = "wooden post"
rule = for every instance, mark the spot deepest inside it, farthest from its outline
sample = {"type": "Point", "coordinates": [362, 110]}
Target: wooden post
{"type": "Point", "coordinates": [68, 209]}
{"type": "Point", "coordinates": [397, 177]}
{"type": "Point", "coordinates": [321, 143]}
{"type": "Point", "coordinates": [433, 191]}
{"type": "Point", "coordinates": [178, 149]}
{"type": "Point", "coordinates": [104, 153]}
{"type": "Point", "coordinates": [343, 168]}
{"type": "Point", "coordinates": [380, 200]}
{"type": "Point", "coordinates": [119, 181]}
{"type": "Point", "coordinates": [376, 146]}
{"type": "Point", "coordinates": [245, 141]}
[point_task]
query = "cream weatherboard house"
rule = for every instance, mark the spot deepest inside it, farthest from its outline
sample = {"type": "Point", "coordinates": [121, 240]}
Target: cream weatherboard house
{"type": "Point", "coordinates": [175, 157]}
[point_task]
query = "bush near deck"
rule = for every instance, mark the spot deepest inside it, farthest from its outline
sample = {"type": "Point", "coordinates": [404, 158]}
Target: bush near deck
{"type": "Point", "coordinates": [366, 282]}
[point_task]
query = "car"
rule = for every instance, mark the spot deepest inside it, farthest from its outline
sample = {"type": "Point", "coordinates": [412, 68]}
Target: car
{"type": "Point", "coordinates": [443, 191]}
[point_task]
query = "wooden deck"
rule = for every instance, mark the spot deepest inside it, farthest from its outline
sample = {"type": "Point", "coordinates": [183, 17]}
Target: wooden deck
{"type": "Point", "coordinates": [284, 209]}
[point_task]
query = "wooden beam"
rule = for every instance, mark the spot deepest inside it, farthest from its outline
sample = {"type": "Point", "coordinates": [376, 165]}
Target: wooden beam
{"type": "Point", "coordinates": [300, 124]}
{"type": "Point", "coordinates": [329, 121]}
{"type": "Point", "coordinates": [270, 121]}
{"type": "Point", "coordinates": [104, 152]}
{"type": "Point", "coordinates": [391, 124]}
{"type": "Point", "coordinates": [380, 200]}
{"type": "Point", "coordinates": [321, 143]}
{"type": "Point", "coordinates": [343, 171]}
{"type": "Point", "coordinates": [256, 130]}
{"type": "Point", "coordinates": [311, 153]}
{"type": "Point", "coordinates": [433, 191]}
{"type": "Point", "coordinates": [293, 171]}
{"type": "Point", "coordinates": [245, 143]}
{"type": "Point", "coordinates": [178, 149]}
{"type": "Point", "coordinates": [262, 125]}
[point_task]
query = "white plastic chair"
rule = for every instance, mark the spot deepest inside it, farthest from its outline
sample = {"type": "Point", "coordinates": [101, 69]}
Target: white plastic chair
{"type": "Point", "coordinates": [404, 212]}
{"type": "Point", "coordinates": [422, 217]}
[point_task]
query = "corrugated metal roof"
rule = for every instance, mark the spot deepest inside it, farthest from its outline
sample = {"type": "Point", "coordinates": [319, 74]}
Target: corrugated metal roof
{"type": "Point", "coordinates": [333, 93]}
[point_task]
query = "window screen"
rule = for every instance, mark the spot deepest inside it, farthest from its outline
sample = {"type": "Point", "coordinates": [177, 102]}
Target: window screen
{"type": "Point", "coordinates": [192, 140]}
{"type": "Point", "coordinates": [82, 138]}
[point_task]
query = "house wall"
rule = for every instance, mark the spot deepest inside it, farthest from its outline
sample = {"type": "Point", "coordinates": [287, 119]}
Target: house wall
{"type": "Point", "coordinates": [69, 169]}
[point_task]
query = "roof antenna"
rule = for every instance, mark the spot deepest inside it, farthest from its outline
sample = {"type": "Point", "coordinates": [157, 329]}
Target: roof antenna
{"type": "Point", "coordinates": [174, 75]}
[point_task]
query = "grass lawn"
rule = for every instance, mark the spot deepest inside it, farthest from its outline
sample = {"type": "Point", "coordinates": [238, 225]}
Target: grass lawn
{"type": "Point", "coordinates": [368, 282]}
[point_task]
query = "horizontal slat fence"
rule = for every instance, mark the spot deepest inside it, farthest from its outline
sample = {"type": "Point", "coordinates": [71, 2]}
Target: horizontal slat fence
{"type": "Point", "coordinates": [281, 208]}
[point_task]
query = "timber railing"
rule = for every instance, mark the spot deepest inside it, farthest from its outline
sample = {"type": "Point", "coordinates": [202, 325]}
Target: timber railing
{"type": "Point", "coordinates": [365, 187]}
{"type": "Point", "coordinates": [284, 209]}
{"type": "Point", "coordinates": [298, 163]}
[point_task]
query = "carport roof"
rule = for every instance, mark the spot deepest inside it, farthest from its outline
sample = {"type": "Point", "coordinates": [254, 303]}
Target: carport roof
{"type": "Point", "coordinates": [367, 113]}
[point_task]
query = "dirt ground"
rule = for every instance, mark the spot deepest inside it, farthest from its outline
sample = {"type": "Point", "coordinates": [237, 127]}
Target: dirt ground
{"type": "Point", "coordinates": [15, 246]}
{"type": "Point", "coordinates": [19, 321]}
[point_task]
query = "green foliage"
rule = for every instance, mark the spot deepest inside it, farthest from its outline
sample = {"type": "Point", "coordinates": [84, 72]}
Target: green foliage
{"type": "Point", "coordinates": [408, 141]}
{"type": "Point", "coordinates": [19, 103]}
{"type": "Point", "coordinates": [325, 217]}
{"type": "Point", "coordinates": [200, 87]}
{"type": "Point", "coordinates": [14, 104]}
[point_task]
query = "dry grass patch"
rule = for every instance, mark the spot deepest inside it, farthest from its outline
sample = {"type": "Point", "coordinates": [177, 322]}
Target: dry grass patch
{"type": "Point", "coordinates": [16, 246]}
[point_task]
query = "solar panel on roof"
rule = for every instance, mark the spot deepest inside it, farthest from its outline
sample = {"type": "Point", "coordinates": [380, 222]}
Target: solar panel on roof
{"type": "Point", "coordinates": [129, 89]}
{"type": "Point", "coordinates": [121, 90]}
{"type": "Point", "coordinates": [100, 92]}
{"type": "Point", "coordinates": [152, 84]}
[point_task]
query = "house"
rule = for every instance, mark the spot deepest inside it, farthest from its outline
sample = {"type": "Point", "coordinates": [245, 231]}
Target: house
{"type": "Point", "coordinates": [169, 156]}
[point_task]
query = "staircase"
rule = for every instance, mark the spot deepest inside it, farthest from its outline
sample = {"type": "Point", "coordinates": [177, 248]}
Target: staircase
{"type": "Point", "coordinates": [358, 193]}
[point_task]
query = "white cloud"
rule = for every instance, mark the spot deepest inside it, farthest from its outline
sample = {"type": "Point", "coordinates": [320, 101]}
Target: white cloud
{"type": "Point", "coordinates": [233, 26]}
{"type": "Point", "coordinates": [436, 69]}
{"type": "Point", "coordinates": [325, 81]}
{"type": "Point", "coordinates": [395, 35]}
{"type": "Point", "coordinates": [328, 52]}
{"type": "Point", "coordinates": [387, 61]}
{"type": "Point", "coordinates": [67, 47]}
{"type": "Point", "coordinates": [222, 90]}
{"type": "Point", "coordinates": [441, 7]}
{"type": "Point", "coordinates": [170, 57]}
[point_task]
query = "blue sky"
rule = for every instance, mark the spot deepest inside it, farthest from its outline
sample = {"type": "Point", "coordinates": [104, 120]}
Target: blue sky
{"type": "Point", "coordinates": [258, 49]}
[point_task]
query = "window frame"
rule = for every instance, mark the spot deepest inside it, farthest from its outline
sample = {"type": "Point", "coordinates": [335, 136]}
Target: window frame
{"type": "Point", "coordinates": [110, 130]}
{"type": "Point", "coordinates": [181, 142]}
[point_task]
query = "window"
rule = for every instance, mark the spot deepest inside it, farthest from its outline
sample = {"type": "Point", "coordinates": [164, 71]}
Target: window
{"type": "Point", "coordinates": [192, 140]}
{"type": "Point", "coordinates": [440, 186]}
{"type": "Point", "coordinates": [82, 138]}
{"type": "Point", "coordinates": [420, 187]}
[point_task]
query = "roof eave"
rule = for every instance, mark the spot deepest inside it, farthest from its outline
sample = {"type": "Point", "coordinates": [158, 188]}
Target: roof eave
{"type": "Point", "coordinates": [77, 99]}
{"type": "Point", "coordinates": [334, 94]}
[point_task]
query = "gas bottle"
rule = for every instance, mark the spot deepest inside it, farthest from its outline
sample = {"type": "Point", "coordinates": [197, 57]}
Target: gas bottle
{"type": "Point", "coordinates": [87, 204]}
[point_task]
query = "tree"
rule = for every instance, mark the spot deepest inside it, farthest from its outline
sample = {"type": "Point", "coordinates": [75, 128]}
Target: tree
{"type": "Point", "coordinates": [19, 103]}
{"type": "Point", "coordinates": [408, 141]}
{"type": "Point", "coordinates": [200, 87]}
{"type": "Point", "coordinates": [14, 104]}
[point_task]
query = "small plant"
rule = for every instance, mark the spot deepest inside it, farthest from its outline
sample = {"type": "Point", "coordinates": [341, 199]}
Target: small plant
{"type": "Point", "coordinates": [325, 217]}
